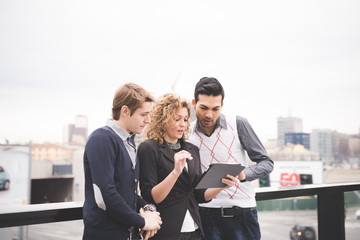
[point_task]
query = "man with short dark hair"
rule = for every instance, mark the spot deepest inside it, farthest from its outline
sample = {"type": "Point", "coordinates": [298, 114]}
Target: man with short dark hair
{"type": "Point", "coordinates": [225, 139]}
{"type": "Point", "coordinates": [112, 171]}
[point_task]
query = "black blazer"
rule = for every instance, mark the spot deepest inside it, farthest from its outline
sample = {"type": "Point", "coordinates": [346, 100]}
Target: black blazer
{"type": "Point", "coordinates": [156, 163]}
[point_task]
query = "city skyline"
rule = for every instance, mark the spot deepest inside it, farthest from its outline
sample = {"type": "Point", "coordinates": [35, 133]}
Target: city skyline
{"type": "Point", "coordinates": [64, 130]}
{"type": "Point", "coordinates": [60, 59]}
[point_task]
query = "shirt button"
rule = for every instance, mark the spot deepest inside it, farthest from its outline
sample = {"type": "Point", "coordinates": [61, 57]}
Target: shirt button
{"type": "Point", "coordinates": [135, 180]}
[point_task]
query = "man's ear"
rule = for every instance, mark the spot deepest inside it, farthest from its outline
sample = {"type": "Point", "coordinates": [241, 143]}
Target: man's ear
{"type": "Point", "coordinates": [194, 103]}
{"type": "Point", "coordinates": [125, 111]}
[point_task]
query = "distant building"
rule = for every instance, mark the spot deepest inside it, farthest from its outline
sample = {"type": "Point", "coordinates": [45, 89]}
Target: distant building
{"type": "Point", "coordinates": [326, 143]}
{"type": "Point", "coordinates": [298, 138]}
{"type": "Point", "coordinates": [51, 151]}
{"type": "Point", "coordinates": [293, 152]}
{"type": "Point", "coordinates": [287, 125]}
{"type": "Point", "coordinates": [354, 146]}
{"type": "Point", "coordinates": [77, 132]}
{"type": "Point", "coordinates": [56, 172]}
{"type": "Point", "coordinates": [342, 148]}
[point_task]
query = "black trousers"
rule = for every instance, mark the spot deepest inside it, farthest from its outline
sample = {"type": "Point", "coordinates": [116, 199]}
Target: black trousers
{"type": "Point", "coordinates": [190, 235]}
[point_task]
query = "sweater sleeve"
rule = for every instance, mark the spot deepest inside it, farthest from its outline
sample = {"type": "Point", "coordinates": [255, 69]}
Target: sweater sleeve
{"type": "Point", "coordinates": [141, 202]}
{"type": "Point", "coordinates": [101, 154]}
{"type": "Point", "coordinates": [255, 150]}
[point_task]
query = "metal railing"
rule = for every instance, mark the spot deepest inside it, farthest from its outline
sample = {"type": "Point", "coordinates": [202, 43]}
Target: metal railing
{"type": "Point", "coordinates": [330, 201]}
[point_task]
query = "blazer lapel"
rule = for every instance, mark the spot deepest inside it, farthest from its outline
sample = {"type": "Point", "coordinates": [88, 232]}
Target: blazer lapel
{"type": "Point", "coordinates": [169, 154]}
{"type": "Point", "coordinates": [166, 151]}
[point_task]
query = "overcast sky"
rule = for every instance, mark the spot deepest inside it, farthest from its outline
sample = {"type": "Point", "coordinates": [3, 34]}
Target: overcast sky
{"type": "Point", "coordinates": [59, 59]}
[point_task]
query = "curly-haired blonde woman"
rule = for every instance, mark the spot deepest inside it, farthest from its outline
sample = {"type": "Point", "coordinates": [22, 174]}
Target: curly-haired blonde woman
{"type": "Point", "coordinates": [170, 169]}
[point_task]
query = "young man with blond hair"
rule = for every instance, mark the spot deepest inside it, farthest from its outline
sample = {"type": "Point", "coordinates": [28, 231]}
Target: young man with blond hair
{"type": "Point", "coordinates": [113, 210]}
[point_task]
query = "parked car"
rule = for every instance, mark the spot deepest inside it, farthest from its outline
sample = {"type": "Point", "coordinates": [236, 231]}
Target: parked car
{"type": "Point", "coordinates": [357, 214]}
{"type": "Point", "coordinates": [4, 179]}
{"type": "Point", "coordinates": [303, 232]}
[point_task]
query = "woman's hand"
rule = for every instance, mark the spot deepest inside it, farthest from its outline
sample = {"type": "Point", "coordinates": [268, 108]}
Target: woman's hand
{"type": "Point", "coordinates": [162, 189]}
{"type": "Point", "coordinates": [180, 161]}
{"type": "Point", "coordinates": [229, 180]}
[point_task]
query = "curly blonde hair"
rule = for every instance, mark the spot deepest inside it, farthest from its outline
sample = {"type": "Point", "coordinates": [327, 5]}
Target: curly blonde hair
{"type": "Point", "coordinates": [164, 111]}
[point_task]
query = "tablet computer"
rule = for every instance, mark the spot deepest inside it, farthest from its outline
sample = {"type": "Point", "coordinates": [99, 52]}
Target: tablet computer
{"type": "Point", "coordinates": [211, 178]}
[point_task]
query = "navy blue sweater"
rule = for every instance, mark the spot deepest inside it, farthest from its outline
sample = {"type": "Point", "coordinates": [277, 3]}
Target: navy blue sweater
{"type": "Point", "coordinates": [108, 168]}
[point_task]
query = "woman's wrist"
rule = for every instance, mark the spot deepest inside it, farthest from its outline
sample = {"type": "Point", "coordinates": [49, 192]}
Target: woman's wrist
{"type": "Point", "coordinates": [176, 174]}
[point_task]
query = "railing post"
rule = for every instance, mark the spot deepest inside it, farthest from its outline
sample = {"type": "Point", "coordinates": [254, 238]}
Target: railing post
{"type": "Point", "coordinates": [331, 218]}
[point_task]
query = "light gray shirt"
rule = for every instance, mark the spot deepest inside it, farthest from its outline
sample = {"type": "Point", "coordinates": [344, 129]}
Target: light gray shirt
{"type": "Point", "coordinates": [125, 136]}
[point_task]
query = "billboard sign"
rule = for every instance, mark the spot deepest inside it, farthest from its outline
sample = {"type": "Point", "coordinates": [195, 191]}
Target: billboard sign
{"type": "Point", "coordinates": [293, 173]}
